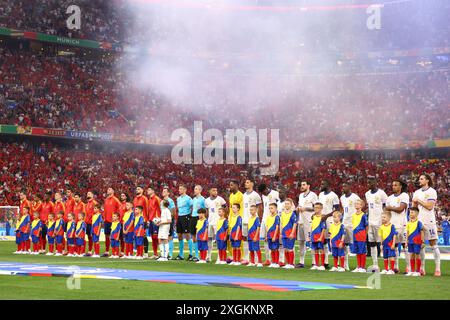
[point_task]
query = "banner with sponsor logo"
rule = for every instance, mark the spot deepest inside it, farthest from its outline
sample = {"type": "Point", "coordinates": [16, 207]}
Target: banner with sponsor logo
{"type": "Point", "coordinates": [89, 135]}
{"type": "Point", "coordinates": [140, 139]}
{"type": "Point", "coordinates": [60, 40]}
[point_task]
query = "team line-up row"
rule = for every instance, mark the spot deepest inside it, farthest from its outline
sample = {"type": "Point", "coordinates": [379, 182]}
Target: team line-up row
{"type": "Point", "coordinates": [325, 222]}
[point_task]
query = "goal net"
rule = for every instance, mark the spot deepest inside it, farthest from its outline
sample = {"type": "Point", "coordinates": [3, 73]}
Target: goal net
{"type": "Point", "coordinates": [8, 218]}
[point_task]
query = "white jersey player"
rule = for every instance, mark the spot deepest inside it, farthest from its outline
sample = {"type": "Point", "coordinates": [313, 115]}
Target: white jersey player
{"type": "Point", "coordinates": [425, 199]}
{"type": "Point", "coordinates": [376, 201]}
{"type": "Point", "coordinates": [213, 203]}
{"type": "Point", "coordinates": [268, 196]}
{"type": "Point", "coordinates": [306, 201]}
{"type": "Point", "coordinates": [250, 198]}
{"type": "Point", "coordinates": [330, 202]}
{"type": "Point", "coordinates": [348, 200]}
{"type": "Point", "coordinates": [397, 203]}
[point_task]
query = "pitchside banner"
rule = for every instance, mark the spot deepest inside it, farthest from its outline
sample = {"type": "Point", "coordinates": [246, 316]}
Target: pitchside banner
{"type": "Point", "coordinates": [103, 136]}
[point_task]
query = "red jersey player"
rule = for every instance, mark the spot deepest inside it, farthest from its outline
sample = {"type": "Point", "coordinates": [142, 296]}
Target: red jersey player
{"type": "Point", "coordinates": [91, 203]}
{"type": "Point", "coordinates": [47, 208]}
{"type": "Point", "coordinates": [111, 206]}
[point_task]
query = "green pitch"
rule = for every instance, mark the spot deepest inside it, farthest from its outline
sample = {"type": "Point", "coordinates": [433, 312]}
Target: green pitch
{"type": "Point", "coordinates": [392, 287]}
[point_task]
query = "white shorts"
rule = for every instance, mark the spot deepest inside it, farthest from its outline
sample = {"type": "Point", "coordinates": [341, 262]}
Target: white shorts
{"type": "Point", "coordinates": [163, 232]}
{"type": "Point", "coordinates": [262, 230]}
{"type": "Point", "coordinates": [348, 238]}
{"type": "Point", "coordinates": [304, 232]}
{"type": "Point", "coordinates": [329, 222]}
{"type": "Point", "coordinates": [430, 231]}
{"type": "Point", "coordinates": [401, 233]}
{"type": "Point", "coordinates": [374, 235]}
{"type": "Point", "coordinates": [245, 229]}
{"type": "Point", "coordinates": [212, 230]}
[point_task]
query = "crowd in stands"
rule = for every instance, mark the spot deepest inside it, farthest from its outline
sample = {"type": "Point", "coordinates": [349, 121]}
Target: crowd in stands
{"type": "Point", "coordinates": [92, 95]}
{"type": "Point", "coordinates": [405, 25]}
{"type": "Point", "coordinates": [47, 167]}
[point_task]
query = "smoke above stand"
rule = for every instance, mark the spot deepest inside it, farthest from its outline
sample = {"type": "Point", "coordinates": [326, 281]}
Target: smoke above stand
{"type": "Point", "coordinates": [280, 66]}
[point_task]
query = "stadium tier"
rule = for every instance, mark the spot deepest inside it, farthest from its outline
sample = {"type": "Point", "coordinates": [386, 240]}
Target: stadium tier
{"type": "Point", "coordinates": [45, 167]}
{"type": "Point", "coordinates": [90, 95]}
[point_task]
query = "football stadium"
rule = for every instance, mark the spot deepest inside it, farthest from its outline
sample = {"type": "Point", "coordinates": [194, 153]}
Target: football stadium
{"type": "Point", "coordinates": [224, 150]}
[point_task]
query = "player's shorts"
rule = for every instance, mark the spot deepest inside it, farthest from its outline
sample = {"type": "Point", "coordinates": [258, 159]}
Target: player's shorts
{"type": "Point", "coordinates": [388, 253]}
{"type": "Point", "coordinates": [373, 233]}
{"type": "Point", "coordinates": [288, 243]}
{"type": "Point", "coordinates": [70, 241]}
{"type": "Point", "coordinates": [236, 243]}
{"type": "Point", "coordinates": [163, 232]}
{"type": "Point", "coordinates": [202, 245]}
{"type": "Point", "coordinates": [59, 239]}
{"type": "Point", "coordinates": [183, 224]}
{"type": "Point", "coordinates": [152, 228]}
{"type": "Point", "coordinates": [245, 229]}
{"type": "Point", "coordinates": [221, 244]}
{"type": "Point", "coordinates": [253, 246]}
{"type": "Point", "coordinates": [107, 228]}
{"type": "Point", "coordinates": [359, 247]}
{"type": "Point", "coordinates": [337, 252]}
{"type": "Point", "coordinates": [262, 228]}
{"type": "Point", "coordinates": [89, 229]}
{"type": "Point", "coordinates": [273, 245]}
{"type": "Point", "coordinates": [414, 248]}
{"type": "Point", "coordinates": [317, 245]}
{"type": "Point", "coordinates": [19, 238]}
{"type": "Point", "coordinates": [25, 237]}
{"type": "Point", "coordinates": [304, 232]}
{"type": "Point", "coordinates": [95, 238]}
{"type": "Point", "coordinates": [50, 240]}
{"type": "Point", "coordinates": [139, 241]}
{"type": "Point", "coordinates": [129, 237]}
{"type": "Point", "coordinates": [212, 230]}
{"type": "Point", "coordinates": [44, 231]}
{"type": "Point", "coordinates": [115, 243]}
{"type": "Point", "coordinates": [430, 231]}
{"type": "Point", "coordinates": [401, 233]}
{"type": "Point", "coordinates": [348, 237]}
{"type": "Point", "coordinates": [193, 226]}
{"type": "Point", "coordinates": [80, 241]}
{"type": "Point", "coordinates": [35, 239]}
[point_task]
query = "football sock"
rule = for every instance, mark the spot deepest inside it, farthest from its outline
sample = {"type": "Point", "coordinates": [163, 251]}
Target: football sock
{"type": "Point", "coordinates": [342, 262]}
{"type": "Point", "coordinates": [171, 248]}
{"type": "Point", "coordinates": [155, 244]}
{"type": "Point", "coordinates": [181, 247]}
{"type": "Point", "coordinates": [210, 245]}
{"type": "Point", "coordinates": [392, 262]}
{"type": "Point", "coordinates": [259, 256]}
{"type": "Point", "coordinates": [437, 257]}
{"type": "Point", "coordinates": [302, 251]}
{"type": "Point", "coordinates": [267, 251]}
{"type": "Point", "coordinates": [325, 252]}
{"type": "Point", "coordinates": [246, 252]}
{"type": "Point", "coordinates": [107, 244]}
{"type": "Point", "coordinates": [422, 257]}
{"type": "Point", "coordinates": [90, 243]}
{"type": "Point", "coordinates": [373, 253]}
{"type": "Point", "coordinates": [162, 250]}
{"type": "Point", "coordinates": [196, 249]}
{"type": "Point", "coordinates": [191, 247]}
{"type": "Point", "coordinates": [418, 264]}
{"type": "Point", "coordinates": [346, 252]}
